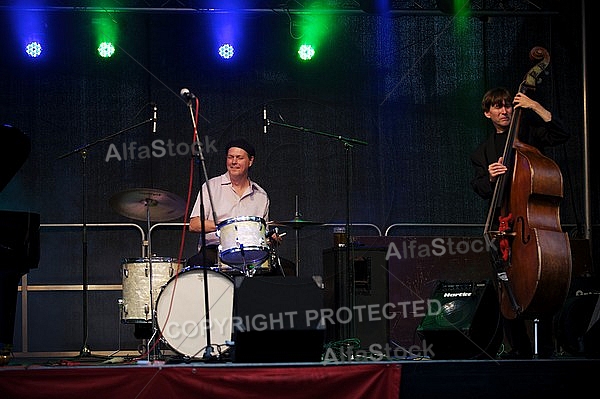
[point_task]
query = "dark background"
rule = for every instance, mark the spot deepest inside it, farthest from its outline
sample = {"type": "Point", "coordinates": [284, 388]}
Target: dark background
{"type": "Point", "coordinates": [408, 83]}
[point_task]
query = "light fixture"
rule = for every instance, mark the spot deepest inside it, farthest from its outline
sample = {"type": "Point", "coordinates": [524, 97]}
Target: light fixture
{"type": "Point", "coordinates": [33, 49]}
{"type": "Point", "coordinates": [31, 30]}
{"type": "Point", "coordinates": [226, 51]}
{"type": "Point", "coordinates": [106, 49]}
{"type": "Point", "coordinates": [228, 33]}
{"type": "Point", "coordinates": [106, 37]}
{"type": "Point", "coordinates": [306, 52]}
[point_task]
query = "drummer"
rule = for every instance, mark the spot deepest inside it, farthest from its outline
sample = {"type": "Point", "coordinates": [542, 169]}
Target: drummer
{"type": "Point", "coordinates": [234, 195]}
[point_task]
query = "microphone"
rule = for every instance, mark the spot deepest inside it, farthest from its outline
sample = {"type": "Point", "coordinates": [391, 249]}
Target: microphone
{"type": "Point", "coordinates": [154, 119]}
{"type": "Point", "coordinates": [187, 95]}
{"type": "Point", "coordinates": [265, 120]}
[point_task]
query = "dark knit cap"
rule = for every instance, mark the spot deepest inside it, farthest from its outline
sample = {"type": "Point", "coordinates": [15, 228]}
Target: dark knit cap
{"type": "Point", "coordinates": [243, 144]}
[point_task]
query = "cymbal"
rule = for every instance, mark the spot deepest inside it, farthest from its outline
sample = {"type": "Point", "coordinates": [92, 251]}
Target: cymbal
{"type": "Point", "coordinates": [295, 223]}
{"type": "Point", "coordinates": [135, 203]}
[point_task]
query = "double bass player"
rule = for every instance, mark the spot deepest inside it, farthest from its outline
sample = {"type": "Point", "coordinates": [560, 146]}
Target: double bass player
{"type": "Point", "coordinates": [539, 128]}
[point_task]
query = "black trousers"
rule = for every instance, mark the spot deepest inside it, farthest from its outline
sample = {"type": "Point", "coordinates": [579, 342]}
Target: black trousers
{"type": "Point", "coordinates": [199, 260]}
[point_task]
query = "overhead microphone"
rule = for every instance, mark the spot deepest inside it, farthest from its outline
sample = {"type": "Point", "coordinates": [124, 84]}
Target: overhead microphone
{"type": "Point", "coordinates": [187, 94]}
{"type": "Point", "coordinates": [265, 120]}
{"type": "Point", "coordinates": [154, 118]}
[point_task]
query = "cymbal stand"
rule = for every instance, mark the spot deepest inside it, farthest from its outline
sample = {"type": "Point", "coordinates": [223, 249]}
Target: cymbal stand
{"type": "Point", "coordinates": [83, 151]}
{"type": "Point", "coordinates": [275, 256]}
{"type": "Point", "coordinates": [348, 144]}
{"type": "Point", "coordinates": [278, 265]}
{"type": "Point", "coordinates": [148, 202]}
{"type": "Point", "coordinates": [297, 215]}
{"type": "Point", "coordinates": [208, 353]}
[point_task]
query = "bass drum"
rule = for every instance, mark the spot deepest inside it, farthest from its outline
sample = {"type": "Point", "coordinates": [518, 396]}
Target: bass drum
{"type": "Point", "coordinates": [181, 316]}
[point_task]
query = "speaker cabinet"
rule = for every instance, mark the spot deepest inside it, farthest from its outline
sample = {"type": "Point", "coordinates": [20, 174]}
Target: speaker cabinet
{"type": "Point", "coordinates": [364, 285]}
{"type": "Point", "coordinates": [574, 321]}
{"type": "Point", "coordinates": [9, 285]}
{"type": "Point", "coordinates": [463, 321]}
{"type": "Point", "coordinates": [277, 319]}
{"type": "Point", "coordinates": [591, 337]}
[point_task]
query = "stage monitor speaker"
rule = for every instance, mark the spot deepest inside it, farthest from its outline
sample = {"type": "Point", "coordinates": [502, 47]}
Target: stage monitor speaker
{"type": "Point", "coordinates": [591, 337]}
{"type": "Point", "coordinates": [575, 320]}
{"type": "Point", "coordinates": [370, 272]}
{"type": "Point", "coordinates": [463, 321]}
{"type": "Point", "coordinates": [276, 319]}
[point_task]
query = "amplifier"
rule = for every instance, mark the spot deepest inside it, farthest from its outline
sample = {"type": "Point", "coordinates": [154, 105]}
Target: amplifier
{"type": "Point", "coordinates": [467, 324]}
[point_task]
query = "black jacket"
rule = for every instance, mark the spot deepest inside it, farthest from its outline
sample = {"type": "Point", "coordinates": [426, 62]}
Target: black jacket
{"type": "Point", "coordinates": [533, 131]}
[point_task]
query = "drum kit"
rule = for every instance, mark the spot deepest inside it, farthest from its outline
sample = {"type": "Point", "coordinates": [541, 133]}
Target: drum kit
{"type": "Point", "coordinates": [158, 292]}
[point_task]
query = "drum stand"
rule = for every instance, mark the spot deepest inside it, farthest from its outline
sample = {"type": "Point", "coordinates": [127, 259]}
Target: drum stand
{"type": "Point", "coordinates": [147, 204]}
{"type": "Point", "coordinates": [151, 344]}
{"type": "Point", "coordinates": [275, 257]}
{"type": "Point", "coordinates": [296, 223]}
{"type": "Point", "coordinates": [85, 351]}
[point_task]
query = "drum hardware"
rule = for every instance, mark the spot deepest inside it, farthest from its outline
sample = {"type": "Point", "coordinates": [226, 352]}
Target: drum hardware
{"type": "Point", "coordinates": [83, 151]}
{"type": "Point", "coordinates": [274, 261]}
{"type": "Point", "coordinates": [296, 223]}
{"type": "Point", "coordinates": [274, 258]}
{"type": "Point", "coordinates": [242, 270]}
{"type": "Point", "coordinates": [149, 205]}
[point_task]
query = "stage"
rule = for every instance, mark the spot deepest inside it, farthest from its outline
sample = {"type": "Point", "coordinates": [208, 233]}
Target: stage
{"type": "Point", "coordinates": [451, 357]}
{"type": "Point", "coordinates": [117, 377]}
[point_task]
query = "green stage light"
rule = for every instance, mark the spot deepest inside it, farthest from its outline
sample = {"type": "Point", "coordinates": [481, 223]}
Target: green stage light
{"type": "Point", "coordinates": [106, 36]}
{"type": "Point", "coordinates": [106, 49]}
{"type": "Point", "coordinates": [306, 52]}
{"type": "Point", "coordinates": [313, 31]}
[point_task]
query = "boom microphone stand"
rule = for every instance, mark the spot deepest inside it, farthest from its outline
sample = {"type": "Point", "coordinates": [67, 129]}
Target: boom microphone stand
{"type": "Point", "coordinates": [348, 276]}
{"type": "Point", "coordinates": [200, 160]}
{"type": "Point", "coordinates": [83, 151]}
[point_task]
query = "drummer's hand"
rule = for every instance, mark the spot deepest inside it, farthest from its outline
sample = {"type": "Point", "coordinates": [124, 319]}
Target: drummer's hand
{"type": "Point", "coordinates": [276, 238]}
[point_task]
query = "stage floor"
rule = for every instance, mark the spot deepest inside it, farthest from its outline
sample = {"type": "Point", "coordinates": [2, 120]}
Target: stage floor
{"type": "Point", "coordinates": [103, 377]}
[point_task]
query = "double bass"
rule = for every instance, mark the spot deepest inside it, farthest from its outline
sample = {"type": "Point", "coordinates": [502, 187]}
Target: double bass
{"type": "Point", "coordinates": [530, 253]}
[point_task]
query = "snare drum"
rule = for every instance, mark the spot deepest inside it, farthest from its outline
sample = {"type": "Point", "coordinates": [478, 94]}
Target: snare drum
{"type": "Point", "coordinates": [243, 241]}
{"type": "Point", "coordinates": [181, 316]}
{"type": "Point", "coordinates": [136, 285]}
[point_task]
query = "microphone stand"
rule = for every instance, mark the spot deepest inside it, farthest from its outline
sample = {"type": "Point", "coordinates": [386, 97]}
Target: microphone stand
{"type": "Point", "coordinates": [200, 160]}
{"type": "Point", "coordinates": [83, 151]}
{"type": "Point", "coordinates": [348, 275]}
